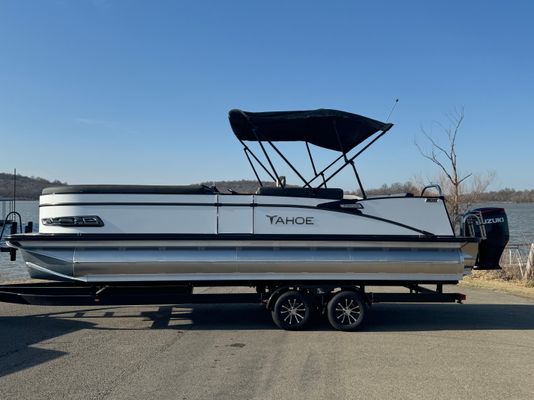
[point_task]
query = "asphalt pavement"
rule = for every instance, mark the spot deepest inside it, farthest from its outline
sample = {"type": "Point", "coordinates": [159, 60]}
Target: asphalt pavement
{"type": "Point", "coordinates": [483, 349]}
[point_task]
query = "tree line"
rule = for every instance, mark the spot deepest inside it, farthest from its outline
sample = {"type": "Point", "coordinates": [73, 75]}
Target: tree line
{"type": "Point", "coordinates": [503, 195]}
{"type": "Point", "coordinates": [28, 187]}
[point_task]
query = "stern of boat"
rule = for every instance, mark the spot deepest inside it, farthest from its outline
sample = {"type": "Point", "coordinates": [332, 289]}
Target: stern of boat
{"type": "Point", "coordinates": [490, 226]}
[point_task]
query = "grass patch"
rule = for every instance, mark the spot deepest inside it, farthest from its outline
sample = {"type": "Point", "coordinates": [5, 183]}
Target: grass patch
{"type": "Point", "coordinates": [501, 281]}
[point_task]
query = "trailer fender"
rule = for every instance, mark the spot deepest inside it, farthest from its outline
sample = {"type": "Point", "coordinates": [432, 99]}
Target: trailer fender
{"type": "Point", "coordinates": [360, 292]}
{"type": "Point", "coordinates": [274, 296]}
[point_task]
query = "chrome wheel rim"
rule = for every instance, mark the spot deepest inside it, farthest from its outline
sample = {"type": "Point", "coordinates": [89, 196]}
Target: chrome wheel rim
{"type": "Point", "coordinates": [347, 311]}
{"type": "Point", "coordinates": [293, 311]}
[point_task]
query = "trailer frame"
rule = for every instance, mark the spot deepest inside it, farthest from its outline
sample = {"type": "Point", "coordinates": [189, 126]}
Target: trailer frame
{"type": "Point", "coordinates": [312, 298]}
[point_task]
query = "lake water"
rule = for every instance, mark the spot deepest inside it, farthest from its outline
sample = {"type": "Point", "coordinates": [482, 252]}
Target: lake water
{"type": "Point", "coordinates": [520, 219]}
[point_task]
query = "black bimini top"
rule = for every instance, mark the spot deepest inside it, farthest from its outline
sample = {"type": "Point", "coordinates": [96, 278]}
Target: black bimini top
{"type": "Point", "coordinates": [330, 129]}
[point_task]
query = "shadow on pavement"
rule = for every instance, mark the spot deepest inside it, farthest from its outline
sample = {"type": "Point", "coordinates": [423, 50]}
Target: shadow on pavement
{"type": "Point", "coordinates": [438, 317]}
{"type": "Point", "coordinates": [381, 317]}
{"type": "Point", "coordinates": [18, 334]}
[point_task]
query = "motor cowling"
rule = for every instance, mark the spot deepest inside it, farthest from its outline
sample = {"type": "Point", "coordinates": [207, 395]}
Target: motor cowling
{"type": "Point", "coordinates": [494, 235]}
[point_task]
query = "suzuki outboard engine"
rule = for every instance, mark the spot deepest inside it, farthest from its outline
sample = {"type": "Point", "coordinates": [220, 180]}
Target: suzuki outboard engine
{"type": "Point", "coordinates": [491, 226]}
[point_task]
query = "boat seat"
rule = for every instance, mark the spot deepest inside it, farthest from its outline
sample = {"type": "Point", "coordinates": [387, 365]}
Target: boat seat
{"type": "Point", "coordinates": [322, 193]}
{"type": "Point", "coordinates": [129, 189]}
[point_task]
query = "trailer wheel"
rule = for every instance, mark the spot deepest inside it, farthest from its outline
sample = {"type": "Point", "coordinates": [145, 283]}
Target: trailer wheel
{"type": "Point", "coordinates": [346, 311]}
{"type": "Point", "coordinates": [291, 311]}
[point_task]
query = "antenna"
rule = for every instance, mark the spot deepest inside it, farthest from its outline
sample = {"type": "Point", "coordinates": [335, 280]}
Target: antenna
{"type": "Point", "coordinates": [14, 191]}
{"type": "Point", "coordinates": [392, 109]}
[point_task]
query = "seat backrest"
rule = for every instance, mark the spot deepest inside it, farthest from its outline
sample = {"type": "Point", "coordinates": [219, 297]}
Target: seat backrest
{"type": "Point", "coordinates": [322, 193]}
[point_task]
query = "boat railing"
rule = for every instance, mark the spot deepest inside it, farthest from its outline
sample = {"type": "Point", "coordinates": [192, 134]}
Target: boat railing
{"type": "Point", "coordinates": [471, 222]}
{"type": "Point", "coordinates": [433, 186]}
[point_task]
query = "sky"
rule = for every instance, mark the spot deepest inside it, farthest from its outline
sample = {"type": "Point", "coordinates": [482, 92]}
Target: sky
{"type": "Point", "coordinates": [109, 91]}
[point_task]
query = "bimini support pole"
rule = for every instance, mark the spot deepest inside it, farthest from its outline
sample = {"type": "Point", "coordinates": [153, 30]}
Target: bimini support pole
{"type": "Point", "coordinates": [351, 162]}
{"type": "Point", "coordinates": [288, 163]}
{"type": "Point", "coordinates": [313, 163]}
{"type": "Point", "coordinates": [252, 166]}
{"type": "Point", "coordinates": [358, 153]}
{"type": "Point", "coordinates": [275, 178]}
{"type": "Point", "coordinates": [267, 157]}
{"type": "Point", "coordinates": [347, 161]}
{"type": "Point", "coordinates": [324, 170]}
{"type": "Point", "coordinates": [247, 152]}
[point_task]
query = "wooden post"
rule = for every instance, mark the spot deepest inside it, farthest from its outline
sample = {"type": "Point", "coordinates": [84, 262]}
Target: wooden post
{"type": "Point", "coordinates": [529, 271]}
{"type": "Point", "coordinates": [510, 256]}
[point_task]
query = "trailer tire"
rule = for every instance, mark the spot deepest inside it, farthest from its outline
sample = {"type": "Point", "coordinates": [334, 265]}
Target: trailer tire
{"type": "Point", "coordinates": [346, 311]}
{"type": "Point", "coordinates": [292, 310]}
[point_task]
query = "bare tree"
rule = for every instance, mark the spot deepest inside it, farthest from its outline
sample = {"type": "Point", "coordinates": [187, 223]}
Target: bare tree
{"type": "Point", "coordinates": [458, 195]}
{"type": "Point", "coordinates": [473, 192]}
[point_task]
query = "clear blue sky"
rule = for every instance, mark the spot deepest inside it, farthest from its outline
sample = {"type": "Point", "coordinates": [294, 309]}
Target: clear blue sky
{"type": "Point", "coordinates": [138, 91]}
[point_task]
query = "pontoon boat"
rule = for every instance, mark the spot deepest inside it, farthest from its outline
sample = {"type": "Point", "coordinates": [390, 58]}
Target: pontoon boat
{"type": "Point", "coordinates": [312, 233]}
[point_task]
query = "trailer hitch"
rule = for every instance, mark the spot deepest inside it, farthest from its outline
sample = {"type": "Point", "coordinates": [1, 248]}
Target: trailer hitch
{"type": "Point", "coordinates": [12, 231]}
{"type": "Point", "coordinates": [12, 252]}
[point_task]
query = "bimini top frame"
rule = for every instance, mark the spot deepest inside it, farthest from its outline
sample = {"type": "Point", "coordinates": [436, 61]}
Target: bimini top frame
{"type": "Point", "coordinates": [330, 129]}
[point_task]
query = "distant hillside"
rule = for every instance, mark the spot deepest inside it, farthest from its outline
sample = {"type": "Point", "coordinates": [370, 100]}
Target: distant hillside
{"type": "Point", "coordinates": [503, 195]}
{"type": "Point", "coordinates": [28, 187]}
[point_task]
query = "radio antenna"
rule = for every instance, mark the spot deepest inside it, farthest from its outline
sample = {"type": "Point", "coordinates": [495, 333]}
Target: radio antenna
{"type": "Point", "coordinates": [392, 109]}
{"type": "Point", "coordinates": [14, 191]}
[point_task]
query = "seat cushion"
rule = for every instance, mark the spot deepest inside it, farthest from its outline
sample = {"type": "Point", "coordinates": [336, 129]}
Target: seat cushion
{"type": "Point", "coordinates": [328, 193]}
{"type": "Point", "coordinates": [129, 189]}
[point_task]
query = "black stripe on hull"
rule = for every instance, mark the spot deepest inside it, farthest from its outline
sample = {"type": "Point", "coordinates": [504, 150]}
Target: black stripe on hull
{"type": "Point", "coordinates": [231, 236]}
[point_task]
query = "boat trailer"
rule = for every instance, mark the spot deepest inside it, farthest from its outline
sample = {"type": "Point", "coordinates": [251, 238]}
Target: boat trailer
{"type": "Point", "coordinates": [291, 305]}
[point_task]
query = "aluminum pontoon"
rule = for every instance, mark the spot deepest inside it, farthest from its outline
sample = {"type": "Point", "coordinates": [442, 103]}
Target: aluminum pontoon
{"type": "Point", "coordinates": [280, 236]}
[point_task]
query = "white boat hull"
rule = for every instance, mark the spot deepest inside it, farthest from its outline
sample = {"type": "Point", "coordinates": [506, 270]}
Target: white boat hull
{"type": "Point", "coordinates": [216, 237]}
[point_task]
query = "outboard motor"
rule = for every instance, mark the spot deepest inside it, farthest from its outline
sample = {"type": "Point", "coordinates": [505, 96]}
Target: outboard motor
{"type": "Point", "coordinates": [491, 225]}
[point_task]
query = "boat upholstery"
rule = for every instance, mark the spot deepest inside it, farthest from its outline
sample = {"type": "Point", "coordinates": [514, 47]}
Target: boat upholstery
{"type": "Point", "coordinates": [129, 189]}
{"type": "Point", "coordinates": [322, 193]}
